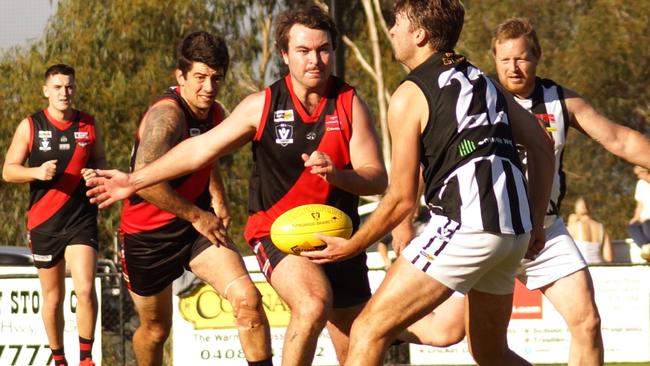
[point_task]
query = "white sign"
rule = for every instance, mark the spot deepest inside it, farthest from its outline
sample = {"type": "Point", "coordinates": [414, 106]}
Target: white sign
{"type": "Point", "coordinates": [22, 335]}
{"type": "Point", "coordinates": [623, 299]}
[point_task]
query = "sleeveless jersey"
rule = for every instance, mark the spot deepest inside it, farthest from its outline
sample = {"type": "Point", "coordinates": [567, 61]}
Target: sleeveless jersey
{"type": "Point", "coordinates": [547, 104]}
{"type": "Point", "coordinates": [60, 205]}
{"type": "Point", "coordinates": [472, 172]}
{"type": "Point", "coordinates": [279, 180]}
{"type": "Point", "coordinates": [139, 215]}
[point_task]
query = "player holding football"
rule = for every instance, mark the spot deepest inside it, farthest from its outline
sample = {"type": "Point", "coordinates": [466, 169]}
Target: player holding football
{"type": "Point", "coordinates": [313, 142]}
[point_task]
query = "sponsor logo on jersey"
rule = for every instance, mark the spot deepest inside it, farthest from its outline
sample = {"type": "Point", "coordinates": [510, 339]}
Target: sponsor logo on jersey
{"type": "Point", "coordinates": [548, 120]}
{"type": "Point", "coordinates": [82, 138]}
{"type": "Point", "coordinates": [283, 115]}
{"type": "Point", "coordinates": [45, 145]}
{"type": "Point", "coordinates": [466, 147]}
{"type": "Point", "coordinates": [311, 136]}
{"type": "Point", "coordinates": [45, 134]}
{"type": "Point", "coordinates": [332, 123]}
{"type": "Point", "coordinates": [195, 131]}
{"type": "Point", "coordinates": [63, 139]}
{"type": "Point", "coordinates": [284, 134]}
{"type": "Point", "coordinates": [64, 146]}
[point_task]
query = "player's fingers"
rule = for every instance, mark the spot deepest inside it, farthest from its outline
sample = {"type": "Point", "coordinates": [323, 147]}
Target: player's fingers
{"type": "Point", "coordinates": [105, 200]}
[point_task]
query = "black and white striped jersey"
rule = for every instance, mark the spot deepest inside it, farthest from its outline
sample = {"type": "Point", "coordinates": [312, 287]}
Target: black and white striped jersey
{"type": "Point", "coordinates": [547, 104]}
{"type": "Point", "coordinates": [472, 171]}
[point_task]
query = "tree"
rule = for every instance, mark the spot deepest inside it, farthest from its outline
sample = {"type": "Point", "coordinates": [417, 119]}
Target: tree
{"type": "Point", "coordinates": [124, 54]}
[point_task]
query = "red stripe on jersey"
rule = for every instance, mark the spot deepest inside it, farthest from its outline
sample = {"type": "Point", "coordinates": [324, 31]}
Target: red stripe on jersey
{"type": "Point", "coordinates": [265, 114]}
{"type": "Point", "coordinates": [31, 133]}
{"type": "Point", "coordinates": [56, 197]}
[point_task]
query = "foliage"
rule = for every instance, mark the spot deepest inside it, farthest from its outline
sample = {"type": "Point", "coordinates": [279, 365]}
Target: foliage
{"type": "Point", "coordinates": [124, 56]}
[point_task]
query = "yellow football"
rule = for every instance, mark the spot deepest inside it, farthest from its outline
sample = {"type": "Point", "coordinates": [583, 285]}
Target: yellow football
{"type": "Point", "coordinates": [294, 231]}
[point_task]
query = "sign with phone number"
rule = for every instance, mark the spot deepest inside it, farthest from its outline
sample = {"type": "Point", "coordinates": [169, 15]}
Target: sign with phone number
{"type": "Point", "coordinates": [23, 340]}
{"type": "Point", "coordinates": [205, 333]}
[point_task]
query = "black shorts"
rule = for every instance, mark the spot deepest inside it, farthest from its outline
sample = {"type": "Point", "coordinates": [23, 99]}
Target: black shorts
{"type": "Point", "coordinates": [48, 249]}
{"type": "Point", "coordinates": [348, 278]}
{"type": "Point", "coordinates": [152, 260]}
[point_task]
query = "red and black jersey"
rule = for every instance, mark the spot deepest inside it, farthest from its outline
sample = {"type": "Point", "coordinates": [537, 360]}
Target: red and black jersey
{"type": "Point", "coordinates": [139, 215]}
{"type": "Point", "coordinates": [279, 180]}
{"type": "Point", "coordinates": [60, 205]}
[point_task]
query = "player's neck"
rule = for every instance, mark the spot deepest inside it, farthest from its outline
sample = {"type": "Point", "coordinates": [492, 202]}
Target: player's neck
{"type": "Point", "coordinates": [419, 56]}
{"type": "Point", "coordinates": [60, 115]}
{"type": "Point", "coordinates": [309, 97]}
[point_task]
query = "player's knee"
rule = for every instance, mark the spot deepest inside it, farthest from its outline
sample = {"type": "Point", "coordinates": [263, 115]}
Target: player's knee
{"type": "Point", "coordinates": [446, 339]}
{"type": "Point", "coordinates": [586, 326]}
{"type": "Point", "coordinates": [85, 294]}
{"type": "Point", "coordinates": [53, 299]}
{"type": "Point", "coordinates": [247, 307]}
{"type": "Point", "coordinates": [312, 309]}
{"type": "Point", "coordinates": [155, 331]}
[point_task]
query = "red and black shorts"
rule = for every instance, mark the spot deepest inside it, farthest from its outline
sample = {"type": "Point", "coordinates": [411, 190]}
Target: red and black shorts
{"type": "Point", "coordinates": [48, 249]}
{"type": "Point", "coordinates": [152, 260]}
{"type": "Point", "coordinates": [348, 278]}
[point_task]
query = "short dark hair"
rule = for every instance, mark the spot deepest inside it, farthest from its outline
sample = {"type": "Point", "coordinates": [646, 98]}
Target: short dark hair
{"type": "Point", "coordinates": [441, 19]}
{"type": "Point", "coordinates": [514, 28]}
{"type": "Point", "coordinates": [59, 69]}
{"type": "Point", "coordinates": [203, 47]}
{"type": "Point", "coordinates": [311, 17]}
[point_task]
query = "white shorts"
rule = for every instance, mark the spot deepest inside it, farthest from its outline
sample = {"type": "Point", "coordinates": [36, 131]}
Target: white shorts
{"type": "Point", "coordinates": [463, 259]}
{"type": "Point", "coordinates": [559, 258]}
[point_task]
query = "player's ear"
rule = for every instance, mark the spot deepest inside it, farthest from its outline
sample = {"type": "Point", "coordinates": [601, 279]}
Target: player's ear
{"type": "Point", "coordinates": [46, 92]}
{"type": "Point", "coordinates": [285, 57]}
{"type": "Point", "coordinates": [180, 78]}
{"type": "Point", "coordinates": [421, 36]}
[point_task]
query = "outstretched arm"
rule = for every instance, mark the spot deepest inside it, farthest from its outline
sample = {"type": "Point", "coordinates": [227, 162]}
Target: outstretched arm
{"type": "Point", "coordinates": [186, 157]}
{"type": "Point", "coordinates": [620, 140]}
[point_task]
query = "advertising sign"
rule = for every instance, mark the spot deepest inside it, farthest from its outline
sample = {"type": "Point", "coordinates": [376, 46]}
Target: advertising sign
{"type": "Point", "coordinates": [538, 333]}
{"type": "Point", "coordinates": [22, 335]}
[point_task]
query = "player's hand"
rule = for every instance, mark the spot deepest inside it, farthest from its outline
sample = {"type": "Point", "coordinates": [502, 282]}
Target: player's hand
{"type": "Point", "coordinates": [88, 174]}
{"type": "Point", "coordinates": [402, 236]}
{"type": "Point", "coordinates": [108, 187]}
{"type": "Point", "coordinates": [321, 164]}
{"type": "Point", "coordinates": [210, 226]}
{"type": "Point", "coordinates": [337, 249]}
{"type": "Point", "coordinates": [47, 170]}
{"type": "Point", "coordinates": [536, 244]}
{"type": "Point", "coordinates": [223, 212]}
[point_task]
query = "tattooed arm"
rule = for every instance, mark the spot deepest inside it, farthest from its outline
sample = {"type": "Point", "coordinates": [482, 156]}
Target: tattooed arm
{"type": "Point", "coordinates": [161, 128]}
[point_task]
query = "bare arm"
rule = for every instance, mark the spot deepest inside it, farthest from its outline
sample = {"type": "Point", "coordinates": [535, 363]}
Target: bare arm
{"type": "Point", "coordinates": [368, 174]}
{"type": "Point", "coordinates": [186, 157]}
{"type": "Point", "coordinates": [161, 128]}
{"type": "Point", "coordinates": [407, 112]}
{"type": "Point", "coordinates": [14, 169]}
{"type": "Point", "coordinates": [608, 249]}
{"type": "Point", "coordinates": [404, 232]}
{"type": "Point", "coordinates": [620, 140]}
